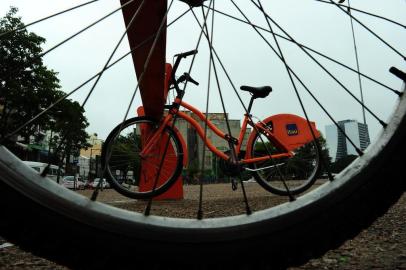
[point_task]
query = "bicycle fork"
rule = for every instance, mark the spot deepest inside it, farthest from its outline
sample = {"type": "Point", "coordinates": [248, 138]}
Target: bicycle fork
{"type": "Point", "coordinates": [154, 139]}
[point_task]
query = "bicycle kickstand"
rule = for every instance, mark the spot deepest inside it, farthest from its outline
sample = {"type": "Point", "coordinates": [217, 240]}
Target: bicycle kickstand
{"type": "Point", "coordinates": [234, 184]}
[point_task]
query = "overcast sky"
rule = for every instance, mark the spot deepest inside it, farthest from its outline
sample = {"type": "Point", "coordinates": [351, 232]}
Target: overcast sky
{"type": "Point", "coordinates": [248, 59]}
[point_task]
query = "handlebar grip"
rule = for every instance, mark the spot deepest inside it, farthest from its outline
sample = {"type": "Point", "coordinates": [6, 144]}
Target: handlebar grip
{"type": "Point", "coordinates": [186, 77]}
{"type": "Point", "coordinates": [186, 54]}
{"type": "Point", "coordinates": [398, 73]}
{"type": "Point", "coordinates": [192, 81]}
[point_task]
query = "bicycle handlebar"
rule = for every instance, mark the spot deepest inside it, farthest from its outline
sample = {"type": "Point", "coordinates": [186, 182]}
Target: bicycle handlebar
{"type": "Point", "coordinates": [176, 65]}
{"type": "Point", "coordinates": [398, 73]}
{"type": "Point", "coordinates": [186, 54]}
{"type": "Point", "coordinates": [186, 77]}
{"type": "Point", "coordinates": [179, 58]}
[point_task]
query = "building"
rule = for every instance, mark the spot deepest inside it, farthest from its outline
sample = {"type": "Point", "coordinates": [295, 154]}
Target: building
{"type": "Point", "coordinates": [339, 146]}
{"type": "Point", "coordinates": [84, 166]}
{"type": "Point", "coordinates": [195, 144]}
{"type": "Point", "coordinates": [89, 159]}
{"type": "Point", "coordinates": [95, 148]}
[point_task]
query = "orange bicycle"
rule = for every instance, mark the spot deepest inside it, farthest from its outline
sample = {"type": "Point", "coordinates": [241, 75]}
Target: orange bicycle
{"type": "Point", "coordinates": [280, 153]}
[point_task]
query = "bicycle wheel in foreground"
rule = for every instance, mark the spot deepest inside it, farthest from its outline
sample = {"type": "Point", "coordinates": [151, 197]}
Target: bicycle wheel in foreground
{"type": "Point", "coordinates": [63, 226]}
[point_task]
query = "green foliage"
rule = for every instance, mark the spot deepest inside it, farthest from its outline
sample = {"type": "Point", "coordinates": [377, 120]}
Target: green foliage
{"type": "Point", "coordinates": [27, 87]}
{"type": "Point", "coordinates": [325, 159]}
{"type": "Point", "coordinates": [265, 147]}
{"type": "Point", "coordinates": [301, 164]}
{"type": "Point", "coordinates": [70, 124]}
{"type": "Point", "coordinates": [124, 158]}
{"type": "Point", "coordinates": [342, 163]}
{"type": "Point", "coordinates": [193, 168]}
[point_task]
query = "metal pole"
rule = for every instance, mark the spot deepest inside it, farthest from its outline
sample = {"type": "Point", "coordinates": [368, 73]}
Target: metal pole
{"type": "Point", "coordinates": [357, 62]}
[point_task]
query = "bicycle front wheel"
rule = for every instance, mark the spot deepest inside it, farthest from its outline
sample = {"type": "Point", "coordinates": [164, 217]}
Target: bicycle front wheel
{"type": "Point", "coordinates": [137, 176]}
{"type": "Point", "coordinates": [285, 175]}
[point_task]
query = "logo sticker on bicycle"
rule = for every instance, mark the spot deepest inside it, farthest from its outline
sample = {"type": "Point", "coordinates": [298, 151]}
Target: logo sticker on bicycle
{"type": "Point", "coordinates": [292, 130]}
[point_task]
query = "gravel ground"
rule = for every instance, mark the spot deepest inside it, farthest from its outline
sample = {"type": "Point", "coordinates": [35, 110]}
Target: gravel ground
{"type": "Point", "coordinates": [382, 246]}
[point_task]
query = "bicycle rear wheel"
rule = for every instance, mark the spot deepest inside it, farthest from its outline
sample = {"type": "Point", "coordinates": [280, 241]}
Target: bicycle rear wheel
{"type": "Point", "coordinates": [286, 175]}
{"type": "Point", "coordinates": [141, 177]}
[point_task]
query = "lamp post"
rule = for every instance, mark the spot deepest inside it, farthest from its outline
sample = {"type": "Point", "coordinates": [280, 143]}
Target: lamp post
{"type": "Point", "coordinates": [90, 159]}
{"type": "Point", "coordinates": [50, 140]}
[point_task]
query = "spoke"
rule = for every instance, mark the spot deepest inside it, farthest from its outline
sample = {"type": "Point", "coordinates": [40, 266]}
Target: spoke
{"type": "Point", "coordinates": [270, 175]}
{"type": "Point", "coordinates": [87, 82]}
{"type": "Point", "coordinates": [114, 52]}
{"type": "Point", "coordinates": [323, 68]}
{"type": "Point", "coordinates": [239, 98]}
{"type": "Point", "coordinates": [96, 191]}
{"type": "Point", "coordinates": [200, 209]}
{"type": "Point", "coordinates": [369, 30]}
{"type": "Point", "coordinates": [149, 205]}
{"type": "Point", "coordinates": [301, 82]}
{"type": "Point", "coordinates": [218, 84]}
{"type": "Point", "coordinates": [84, 29]}
{"type": "Point", "coordinates": [295, 90]}
{"type": "Point", "coordinates": [48, 17]}
{"type": "Point", "coordinates": [314, 98]}
{"type": "Point", "coordinates": [364, 12]}
{"type": "Point", "coordinates": [234, 157]}
{"type": "Point", "coordinates": [146, 64]}
{"type": "Point", "coordinates": [358, 65]}
{"type": "Point", "coordinates": [310, 49]}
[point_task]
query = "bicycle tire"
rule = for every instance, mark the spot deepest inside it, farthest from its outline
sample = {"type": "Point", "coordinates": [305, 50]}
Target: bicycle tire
{"type": "Point", "coordinates": [34, 209]}
{"type": "Point", "coordinates": [165, 184]}
{"type": "Point", "coordinates": [281, 172]}
{"type": "Point", "coordinates": [60, 225]}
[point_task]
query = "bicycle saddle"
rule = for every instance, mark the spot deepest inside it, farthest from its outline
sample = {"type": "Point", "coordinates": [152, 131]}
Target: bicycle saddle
{"type": "Point", "coordinates": [257, 92]}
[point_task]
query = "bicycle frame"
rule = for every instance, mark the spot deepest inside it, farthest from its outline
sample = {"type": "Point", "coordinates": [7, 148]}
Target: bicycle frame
{"type": "Point", "coordinates": [238, 143]}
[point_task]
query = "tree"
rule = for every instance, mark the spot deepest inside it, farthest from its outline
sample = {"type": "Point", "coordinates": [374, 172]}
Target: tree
{"type": "Point", "coordinates": [70, 126]}
{"type": "Point", "coordinates": [27, 87]}
{"type": "Point", "coordinates": [342, 163]}
{"type": "Point", "coordinates": [123, 157]}
{"type": "Point", "coordinates": [301, 164]}
{"type": "Point", "coordinates": [325, 159]}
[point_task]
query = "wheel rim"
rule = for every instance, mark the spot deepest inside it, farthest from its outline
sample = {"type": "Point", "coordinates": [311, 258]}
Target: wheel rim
{"type": "Point", "coordinates": [298, 172]}
{"type": "Point", "coordinates": [123, 161]}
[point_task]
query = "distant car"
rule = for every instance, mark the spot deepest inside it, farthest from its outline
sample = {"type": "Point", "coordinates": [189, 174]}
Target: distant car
{"type": "Point", "coordinates": [96, 181]}
{"type": "Point", "coordinates": [69, 182]}
{"type": "Point", "coordinates": [80, 184]}
{"type": "Point", "coordinates": [39, 167]}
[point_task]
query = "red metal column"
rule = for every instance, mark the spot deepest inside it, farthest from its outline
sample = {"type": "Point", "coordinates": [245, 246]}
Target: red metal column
{"type": "Point", "coordinates": [148, 172]}
{"type": "Point", "coordinates": [154, 85]}
{"type": "Point", "coordinates": [146, 24]}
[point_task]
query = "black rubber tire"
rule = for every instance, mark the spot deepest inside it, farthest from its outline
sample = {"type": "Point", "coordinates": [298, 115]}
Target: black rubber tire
{"type": "Point", "coordinates": [161, 188]}
{"type": "Point", "coordinates": [74, 231]}
{"type": "Point", "coordinates": [283, 192]}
